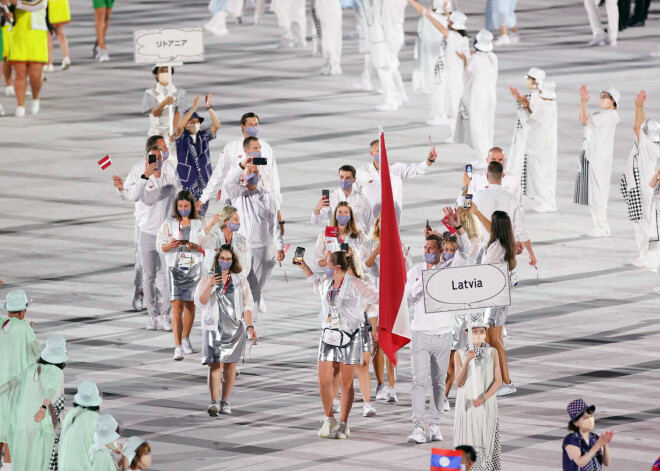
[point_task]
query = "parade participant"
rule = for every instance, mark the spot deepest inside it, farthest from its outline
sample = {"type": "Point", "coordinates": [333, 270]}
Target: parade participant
{"type": "Point", "coordinates": [469, 456]}
{"type": "Point", "coordinates": [229, 222]}
{"type": "Point", "coordinates": [525, 104]}
{"type": "Point", "coordinates": [181, 238]}
{"type": "Point", "coordinates": [583, 449]}
{"type": "Point", "coordinates": [640, 169]}
{"type": "Point", "coordinates": [476, 421]}
{"type": "Point", "coordinates": [105, 444]}
{"type": "Point", "coordinates": [158, 98]}
{"type": "Point", "coordinates": [380, 361]}
{"type": "Point", "coordinates": [364, 44]}
{"type": "Point", "coordinates": [592, 185]}
{"type": "Point", "coordinates": [330, 16]}
{"type": "Point", "coordinates": [432, 332]}
{"type": "Point", "coordinates": [102, 12]}
{"type": "Point", "coordinates": [505, 21]}
{"type": "Point", "coordinates": [477, 118]}
{"type": "Point", "coordinates": [78, 429]}
{"type": "Point", "coordinates": [137, 453]}
{"type": "Point", "coordinates": [343, 298]}
{"type": "Point", "coordinates": [540, 172]}
{"type": "Point", "coordinates": [600, 37]}
{"type": "Point", "coordinates": [29, 50]}
{"type": "Point", "coordinates": [347, 191]}
{"type": "Point", "coordinates": [347, 232]}
{"type": "Point", "coordinates": [225, 301]}
{"type": "Point", "coordinates": [59, 14]}
{"type": "Point", "coordinates": [368, 178]}
{"type": "Point", "coordinates": [291, 19]}
{"type": "Point", "coordinates": [192, 150]}
{"type": "Point", "coordinates": [259, 214]}
{"type": "Point", "coordinates": [31, 435]}
{"type": "Point", "coordinates": [154, 191]}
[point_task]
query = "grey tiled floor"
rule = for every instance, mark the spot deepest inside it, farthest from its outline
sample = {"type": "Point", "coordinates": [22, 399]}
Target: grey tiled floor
{"type": "Point", "coordinates": [589, 329]}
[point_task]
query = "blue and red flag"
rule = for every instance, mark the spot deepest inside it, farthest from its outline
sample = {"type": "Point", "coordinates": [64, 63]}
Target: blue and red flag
{"type": "Point", "coordinates": [446, 460]}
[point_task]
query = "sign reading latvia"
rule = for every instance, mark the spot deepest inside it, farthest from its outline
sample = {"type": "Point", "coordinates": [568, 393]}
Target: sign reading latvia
{"type": "Point", "coordinates": [168, 46]}
{"type": "Point", "coordinates": [468, 287]}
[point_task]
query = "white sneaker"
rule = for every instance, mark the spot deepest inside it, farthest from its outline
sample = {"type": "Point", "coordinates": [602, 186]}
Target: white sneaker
{"type": "Point", "coordinates": [335, 70]}
{"type": "Point", "coordinates": [515, 38]}
{"type": "Point", "coordinates": [187, 346]}
{"type": "Point", "coordinates": [104, 56]}
{"type": "Point", "coordinates": [434, 433]}
{"type": "Point", "coordinates": [20, 111]}
{"type": "Point", "coordinates": [238, 372]}
{"type": "Point", "coordinates": [381, 392]}
{"type": "Point", "coordinates": [225, 408]}
{"type": "Point", "coordinates": [152, 323]}
{"type": "Point", "coordinates": [326, 429]}
{"type": "Point", "coordinates": [165, 322]}
{"type": "Point", "coordinates": [503, 40]}
{"type": "Point", "coordinates": [213, 410]}
{"type": "Point", "coordinates": [343, 432]}
{"type": "Point", "coordinates": [336, 405]}
{"type": "Point", "coordinates": [364, 86]}
{"type": "Point", "coordinates": [639, 262]}
{"type": "Point", "coordinates": [506, 389]}
{"type": "Point", "coordinates": [66, 63]}
{"type": "Point", "coordinates": [49, 68]}
{"type": "Point", "coordinates": [597, 40]}
{"type": "Point", "coordinates": [446, 406]}
{"type": "Point", "coordinates": [388, 107]}
{"type": "Point", "coordinates": [138, 297]}
{"type": "Point", "coordinates": [391, 395]}
{"type": "Point", "coordinates": [35, 106]}
{"type": "Point", "coordinates": [9, 91]}
{"type": "Point", "coordinates": [178, 353]}
{"type": "Point", "coordinates": [417, 436]}
{"type": "Point", "coordinates": [599, 233]}
{"type": "Point", "coordinates": [368, 410]}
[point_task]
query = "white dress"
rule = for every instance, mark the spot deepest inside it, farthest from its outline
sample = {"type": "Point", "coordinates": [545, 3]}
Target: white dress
{"type": "Point", "coordinates": [515, 159]}
{"type": "Point", "coordinates": [454, 71]}
{"type": "Point", "coordinates": [541, 170]}
{"type": "Point", "coordinates": [330, 15]}
{"type": "Point", "coordinates": [429, 50]}
{"type": "Point", "coordinates": [480, 98]}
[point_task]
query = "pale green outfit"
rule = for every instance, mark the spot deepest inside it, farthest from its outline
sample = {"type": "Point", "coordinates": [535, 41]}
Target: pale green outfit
{"type": "Point", "coordinates": [103, 460]}
{"type": "Point", "coordinates": [18, 349]}
{"type": "Point", "coordinates": [77, 440]}
{"type": "Point", "coordinates": [31, 443]}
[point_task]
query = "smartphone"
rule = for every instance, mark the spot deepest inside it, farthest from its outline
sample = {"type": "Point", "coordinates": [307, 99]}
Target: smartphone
{"type": "Point", "coordinates": [260, 161]}
{"type": "Point", "coordinates": [343, 247]}
{"type": "Point", "coordinates": [468, 169]}
{"type": "Point", "coordinates": [184, 241]}
{"type": "Point", "coordinates": [325, 194]}
{"type": "Point", "coordinates": [467, 203]}
{"type": "Point", "coordinates": [428, 227]}
{"type": "Point", "coordinates": [152, 159]}
{"type": "Point", "coordinates": [298, 256]}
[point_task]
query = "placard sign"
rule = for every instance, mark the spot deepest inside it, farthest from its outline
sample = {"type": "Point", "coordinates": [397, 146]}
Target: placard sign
{"type": "Point", "coordinates": [168, 45]}
{"type": "Point", "coordinates": [468, 287]}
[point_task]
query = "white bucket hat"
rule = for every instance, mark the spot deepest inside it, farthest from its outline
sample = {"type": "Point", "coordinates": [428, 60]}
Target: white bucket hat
{"type": "Point", "coordinates": [55, 350]}
{"type": "Point", "coordinates": [130, 448]}
{"type": "Point", "coordinates": [614, 93]}
{"type": "Point", "coordinates": [478, 320]}
{"type": "Point", "coordinates": [106, 430]}
{"type": "Point", "coordinates": [16, 300]}
{"type": "Point", "coordinates": [458, 20]}
{"type": "Point", "coordinates": [484, 41]}
{"type": "Point", "coordinates": [653, 130]}
{"type": "Point", "coordinates": [535, 73]}
{"type": "Point", "coordinates": [547, 89]}
{"type": "Point", "coordinates": [88, 395]}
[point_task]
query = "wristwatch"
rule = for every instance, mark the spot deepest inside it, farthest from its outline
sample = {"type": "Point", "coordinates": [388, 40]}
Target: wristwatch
{"type": "Point", "coordinates": [282, 222]}
{"type": "Point", "coordinates": [250, 327]}
{"type": "Point", "coordinates": [144, 177]}
{"type": "Point", "coordinates": [460, 226]}
{"type": "Point", "coordinates": [44, 407]}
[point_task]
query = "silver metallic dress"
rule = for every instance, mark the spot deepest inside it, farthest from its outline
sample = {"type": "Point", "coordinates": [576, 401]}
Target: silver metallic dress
{"type": "Point", "coordinates": [367, 339]}
{"type": "Point", "coordinates": [225, 344]}
{"type": "Point", "coordinates": [183, 277]}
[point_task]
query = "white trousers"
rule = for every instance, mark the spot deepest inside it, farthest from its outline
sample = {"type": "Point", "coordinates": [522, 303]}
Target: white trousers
{"type": "Point", "coordinates": [263, 262]}
{"type": "Point", "coordinates": [137, 280]}
{"type": "Point", "coordinates": [330, 16]}
{"type": "Point", "coordinates": [152, 260]}
{"type": "Point", "coordinates": [599, 216]}
{"type": "Point", "coordinates": [643, 232]}
{"type": "Point", "coordinates": [612, 8]}
{"type": "Point", "coordinates": [429, 360]}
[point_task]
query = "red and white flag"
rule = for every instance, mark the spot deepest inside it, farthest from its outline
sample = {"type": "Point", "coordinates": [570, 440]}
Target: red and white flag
{"type": "Point", "coordinates": [393, 321]}
{"type": "Point", "coordinates": [105, 162]}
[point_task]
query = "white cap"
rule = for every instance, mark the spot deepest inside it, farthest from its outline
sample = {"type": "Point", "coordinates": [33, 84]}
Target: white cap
{"type": "Point", "coordinates": [458, 20]}
{"type": "Point", "coordinates": [16, 300]}
{"type": "Point", "coordinates": [478, 320]}
{"type": "Point", "coordinates": [614, 93]}
{"type": "Point", "coordinates": [106, 430]}
{"type": "Point", "coordinates": [547, 89]}
{"type": "Point", "coordinates": [88, 395]}
{"type": "Point", "coordinates": [535, 73]}
{"type": "Point", "coordinates": [652, 130]}
{"type": "Point", "coordinates": [484, 41]}
{"type": "Point", "coordinates": [130, 448]}
{"type": "Point", "coordinates": [55, 350]}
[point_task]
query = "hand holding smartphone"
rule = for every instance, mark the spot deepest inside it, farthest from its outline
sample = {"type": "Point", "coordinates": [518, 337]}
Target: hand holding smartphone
{"type": "Point", "coordinates": [298, 256]}
{"type": "Point", "coordinates": [468, 170]}
{"type": "Point", "coordinates": [260, 161]}
{"type": "Point", "coordinates": [325, 194]}
{"type": "Point", "coordinates": [467, 203]}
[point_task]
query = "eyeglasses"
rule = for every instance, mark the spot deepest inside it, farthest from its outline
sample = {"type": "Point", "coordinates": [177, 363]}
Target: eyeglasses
{"type": "Point", "coordinates": [225, 259]}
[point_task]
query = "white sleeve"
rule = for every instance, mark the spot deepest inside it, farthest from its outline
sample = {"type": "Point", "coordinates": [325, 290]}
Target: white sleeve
{"type": "Point", "coordinates": [316, 281]}
{"type": "Point", "coordinates": [276, 184]}
{"type": "Point", "coordinates": [322, 218]}
{"type": "Point", "coordinates": [494, 254]}
{"type": "Point", "coordinates": [215, 182]}
{"type": "Point", "coordinates": [163, 237]}
{"type": "Point", "coordinates": [464, 245]}
{"type": "Point", "coordinates": [321, 250]}
{"type": "Point", "coordinates": [232, 184]}
{"type": "Point", "coordinates": [31, 5]}
{"type": "Point", "coordinates": [519, 224]}
{"type": "Point", "coordinates": [409, 170]}
{"type": "Point", "coordinates": [278, 239]}
{"type": "Point", "coordinates": [134, 187]}
{"type": "Point", "coordinates": [368, 291]}
{"type": "Point", "coordinates": [368, 214]}
{"type": "Point", "coordinates": [248, 257]}
{"type": "Point", "coordinates": [248, 300]}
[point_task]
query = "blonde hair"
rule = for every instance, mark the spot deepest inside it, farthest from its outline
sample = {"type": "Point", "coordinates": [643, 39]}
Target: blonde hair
{"type": "Point", "coordinates": [469, 222]}
{"type": "Point", "coordinates": [375, 230]}
{"type": "Point", "coordinates": [226, 214]}
{"type": "Point", "coordinates": [353, 230]}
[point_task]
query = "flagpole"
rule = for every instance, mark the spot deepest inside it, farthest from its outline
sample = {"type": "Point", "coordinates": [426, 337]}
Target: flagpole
{"type": "Point", "coordinates": [170, 107]}
{"type": "Point", "coordinates": [473, 368]}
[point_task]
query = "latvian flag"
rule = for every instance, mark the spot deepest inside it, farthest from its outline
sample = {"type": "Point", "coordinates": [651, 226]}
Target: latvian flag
{"type": "Point", "coordinates": [446, 460]}
{"type": "Point", "coordinates": [105, 162]}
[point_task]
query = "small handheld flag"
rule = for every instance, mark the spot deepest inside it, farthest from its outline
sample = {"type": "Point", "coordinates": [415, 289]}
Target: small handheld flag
{"type": "Point", "coordinates": [105, 162]}
{"type": "Point", "coordinates": [446, 460]}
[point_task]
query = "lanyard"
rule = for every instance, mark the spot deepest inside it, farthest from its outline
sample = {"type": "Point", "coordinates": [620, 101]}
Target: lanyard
{"type": "Point", "coordinates": [334, 293]}
{"type": "Point", "coordinates": [224, 289]}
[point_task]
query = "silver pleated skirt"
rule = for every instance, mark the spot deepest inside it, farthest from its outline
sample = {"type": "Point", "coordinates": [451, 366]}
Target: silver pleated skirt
{"type": "Point", "coordinates": [184, 282]}
{"type": "Point", "coordinates": [367, 339]}
{"type": "Point", "coordinates": [218, 348]}
{"type": "Point", "coordinates": [351, 354]}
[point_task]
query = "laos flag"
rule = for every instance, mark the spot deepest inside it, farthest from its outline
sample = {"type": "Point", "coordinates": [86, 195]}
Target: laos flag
{"type": "Point", "coordinates": [446, 460]}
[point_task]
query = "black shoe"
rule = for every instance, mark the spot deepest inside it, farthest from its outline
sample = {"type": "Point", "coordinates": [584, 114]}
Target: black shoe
{"type": "Point", "coordinates": [634, 23]}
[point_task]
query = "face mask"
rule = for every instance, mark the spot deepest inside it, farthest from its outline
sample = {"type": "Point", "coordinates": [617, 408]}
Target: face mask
{"type": "Point", "coordinates": [166, 155]}
{"type": "Point", "coordinates": [113, 446]}
{"type": "Point", "coordinates": [163, 79]}
{"type": "Point", "coordinates": [345, 184]}
{"type": "Point", "coordinates": [185, 212]}
{"type": "Point", "coordinates": [254, 154]}
{"type": "Point", "coordinates": [194, 128]}
{"type": "Point", "coordinates": [431, 257]}
{"type": "Point", "coordinates": [252, 131]}
{"type": "Point", "coordinates": [233, 227]}
{"type": "Point", "coordinates": [328, 271]}
{"type": "Point", "coordinates": [224, 266]}
{"type": "Point", "coordinates": [252, 178]}
{"type": "Point", "coordinates": [343, 220]}
{"type": "Point", "coordinates": [447, 255]}
{"type": "Point", "coordinates": [159, 164]}
{"type": "Point", "coordinates": [588, 424]}
{"type": "Point", "coordinates": [377, 158]}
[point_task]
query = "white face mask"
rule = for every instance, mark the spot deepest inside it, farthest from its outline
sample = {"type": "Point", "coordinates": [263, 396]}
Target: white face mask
{"type": "Point", "coordinates": [589, 424]}
{"type": "Point", "coordinates": [193, 128]}
{"type": "Point", "coordinates": [163, 79]}
{"type": "Point", "coordinates": [113, 446]}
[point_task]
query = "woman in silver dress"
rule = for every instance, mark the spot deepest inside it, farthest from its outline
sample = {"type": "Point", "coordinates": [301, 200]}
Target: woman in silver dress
{"type": "Point", "coordinates": [343, 300]}
{"type": "Point", "coordinates": [225, 300]}
{"type": "Point", "coordinates": [181, 238]}
{"type": "Point", "coordinates": [228, 223]}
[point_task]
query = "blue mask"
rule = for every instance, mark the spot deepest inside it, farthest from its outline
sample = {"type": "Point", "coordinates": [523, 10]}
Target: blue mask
{"type": "Point", "coordinates": [166, 155]}
{"type": "Point", "coordinates": [377, 158]}
{"type": "Point", "coordinates": [345, 184]}
{"type": "Point", "coordinates": [447, 255]}
{"type": "Point", "coordinates": [254, 154]}
{"type": "Point", "coordinates": [185, 212]}
{"type": "Point", "coordinates": [252, 131]}
{"type": "Point", "coordinates": [343, 220]}
{"type": "Point", "coordinates": [431, 257]}
{"type": "Point", "coordinates": [224, 266]}
{"type": "Point", "coordinates": [252, 178]}
{"type": "Point", "coordinates": [233, 227]}
{"type": "Point", "coordinates": [328, 271]}
{"type": "Point", "coordinates": [159, 164]}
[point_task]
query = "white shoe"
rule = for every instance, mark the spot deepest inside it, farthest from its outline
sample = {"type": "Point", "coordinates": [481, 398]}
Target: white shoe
{"type": "Point", "coordinates": [388, 107]}
{"type": "Point", "coordinates": [138, 297]}
{"type": "Point", "coordinates": [417, 436]}
{"type": "Point", "coordinates": [225, 408]}
{"type": "Point", "coordinates": [597, 40]}
{"type": "Point", "coordinates": [35, 106]}
{"type": "Point", "coordinates": [611, 43]}
{"type": "Point", "coordinates": [434, 433]}
{"type": "Point", "coordinates": [364, 86]}
{"type": "Point", "coordinates": [238, 372]}
{"type": "Point", "coordinates": [66, 63]}
{"type": "Point", "coordinates": [343, 432]}
{"type": "Point", "coordinates": [391, 395]}
{"type": "Point", "coordinates": [638, 262]}
{"type": "Point", "coordinates": [152, 323]}
{"type": "Point", "coordinates": [49, 68]}
{"type": "Point", "coordinates": [335, 70]}
{"type": "Point", "coordinates": [336, 406]}
{"type": "Point", "coordinates": [178, 353]}
{"type": "Point", "coordinates": [599, 233]}
{"type": "Point", "coordinates": [165, 322]}
{"type": "Point", "coordinates": [544, 208]}
{"type": "Point", "coordinates": [9, 91]}
{"type": "Point", "coordinates": [503, 40]}
{"type": "Point", "coordinates": [325, 70]}
{"type": "Point", "coordinates": [515, 38]}
{"type": "Point", "coordinates": [381, 392]}
{"type": "Point", "coordinates": [20, 111]}
{"type": "Point", "coordinates": [326, 429]}
{"type": "Point", "coordinates": [187, 346]}
{"type": "Point", "coordinates": [368, 410]}
{"type": "Point", "coordinates": [446, 406]}
{"type": "Point", "coordinates": [103, 56]}
{"type": "Point", "coordinates": [213, 410]}
{"type": "Point", "coordinates": [506, 389]}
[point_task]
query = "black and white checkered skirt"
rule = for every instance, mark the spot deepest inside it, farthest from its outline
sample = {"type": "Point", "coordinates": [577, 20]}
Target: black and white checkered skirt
{"type": "Point", "coordinates": [582, 182]}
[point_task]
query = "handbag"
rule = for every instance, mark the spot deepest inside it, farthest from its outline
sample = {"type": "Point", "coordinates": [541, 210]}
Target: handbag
{"type": "Point", "coordinates": [337, 337]}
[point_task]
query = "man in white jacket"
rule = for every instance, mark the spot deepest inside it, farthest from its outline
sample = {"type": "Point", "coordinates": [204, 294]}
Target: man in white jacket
{"type": "Point", "coordinates": [259, 224]}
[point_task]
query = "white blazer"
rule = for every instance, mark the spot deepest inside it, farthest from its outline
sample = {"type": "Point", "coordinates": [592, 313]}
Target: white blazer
{"type": "Point", "coordinates": [353, 295]}
{"type": "Point", "coordinates": [169, 231]}
{"type": "Point", "coordinates": [210, 315]}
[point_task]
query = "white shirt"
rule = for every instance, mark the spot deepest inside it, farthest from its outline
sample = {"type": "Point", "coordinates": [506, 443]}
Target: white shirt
{"type": "Point", "coordinates": [232, 155]}
{"type": "Point", "coordinates": [495, 198]}
{"type": "Point", "coordinates": [257, 210]}
{"type": "Point", "coordinates": [359, 203]}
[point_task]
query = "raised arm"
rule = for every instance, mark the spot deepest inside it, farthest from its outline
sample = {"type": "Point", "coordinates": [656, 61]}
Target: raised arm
{"type": "Point", "coordinates": [181, 125]}
{"type": "Point", "coordinates": [484, 220]}
{"type": "Point", "coordinates": [640, 116]}
{"type": "Point", "coordinates": [215, 125]}
{"type": "Point", "coordinates": [584, 99]}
